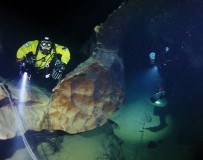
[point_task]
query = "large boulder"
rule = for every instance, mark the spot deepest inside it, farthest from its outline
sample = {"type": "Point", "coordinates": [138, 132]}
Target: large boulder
{"type": "Point", "coordinates": [85, 99]}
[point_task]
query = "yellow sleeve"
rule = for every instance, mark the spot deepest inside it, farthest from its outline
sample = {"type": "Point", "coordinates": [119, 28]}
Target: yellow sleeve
{"type": "Point", "coordinates": [64, 52]}
{"type": "Point", "coordinates": [29, 46]}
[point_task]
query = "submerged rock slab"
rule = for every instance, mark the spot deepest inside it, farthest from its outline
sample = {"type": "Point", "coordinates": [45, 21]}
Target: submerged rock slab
{"type": "Point", "coordinates": [19, 114]}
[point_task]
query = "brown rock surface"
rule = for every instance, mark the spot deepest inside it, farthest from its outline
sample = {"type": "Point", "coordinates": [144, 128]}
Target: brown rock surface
{"type": "Point", "coordinates": [84, 101]}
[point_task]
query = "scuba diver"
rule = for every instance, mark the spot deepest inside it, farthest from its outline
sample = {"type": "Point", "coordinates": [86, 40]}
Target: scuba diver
{"type": "Point", "coordinates": [43, 57]}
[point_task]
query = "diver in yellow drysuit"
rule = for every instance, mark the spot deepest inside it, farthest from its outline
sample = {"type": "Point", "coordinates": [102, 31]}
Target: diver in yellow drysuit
{"type": "Point", "coordinates": [43, 57]}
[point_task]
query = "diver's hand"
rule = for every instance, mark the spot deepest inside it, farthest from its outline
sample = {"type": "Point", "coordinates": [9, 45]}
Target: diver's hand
{"type": "Point", "coordinates": [23, 69]}
{"type": "Point", "coordinates": [21, 64]}
{"type": "Point", "coordinates": [57, 72]}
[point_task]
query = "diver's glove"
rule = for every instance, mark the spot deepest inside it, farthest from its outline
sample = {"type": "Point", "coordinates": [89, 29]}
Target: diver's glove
{"type": "Point", "coordinates": [58, 70]}
{"type": "Point", "coordinates": [22, 66]}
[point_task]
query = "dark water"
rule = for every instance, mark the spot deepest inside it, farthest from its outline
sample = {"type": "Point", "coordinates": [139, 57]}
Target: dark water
{"type": "Point", "coordinates": [176, 25]}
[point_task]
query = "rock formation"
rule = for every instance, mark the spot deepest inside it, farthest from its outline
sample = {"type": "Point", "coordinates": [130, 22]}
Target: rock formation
{"type": "Point", "coordinates": [84, 99]}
